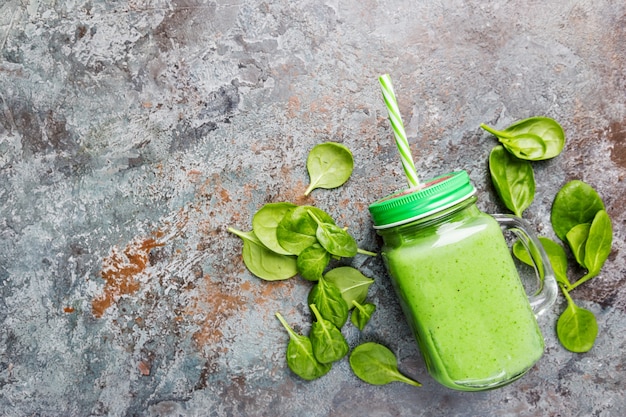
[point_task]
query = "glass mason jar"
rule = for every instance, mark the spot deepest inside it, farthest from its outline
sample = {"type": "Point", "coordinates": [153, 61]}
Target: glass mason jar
{"type": "Point", "coordinates": [459, 286]}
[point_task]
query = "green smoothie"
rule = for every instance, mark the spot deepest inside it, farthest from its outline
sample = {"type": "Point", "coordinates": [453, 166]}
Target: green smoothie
{"type": "Point", "coordinates": [463, 298]}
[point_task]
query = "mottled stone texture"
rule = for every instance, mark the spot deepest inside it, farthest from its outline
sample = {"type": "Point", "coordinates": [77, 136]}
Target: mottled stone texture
{"type": "Point", "coordinates": [132, 133]}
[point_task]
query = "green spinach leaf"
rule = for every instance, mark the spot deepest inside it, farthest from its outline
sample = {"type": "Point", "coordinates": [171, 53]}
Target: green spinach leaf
{"type": "Point", "coordinates": [263, 262]}
{"type": "Point", "coordinates": [577, 327]}
{"type": "Point", "coordinates": [352, 284]}
{"type": "Point", "coordinates": [513, 179]}
{"type": "Point", "coordinates": [576, 238]}
{"type": "Point", "coordinates": [558, 260]}
{"type": "Point", "coordinates": [597, 246]}
{"type": "Point", "coordinates": [300, 357]}
{"type": "Point", "coordinates": [328, 343]}
{"type": "Point", "coordinates": [377, 365]}
{"type": "Point", "coordinates": [361, 314]}
{"type": "Point", "coordinates": [521, 253]}
{"type": "Point", "coordinates": [599, 242]}
{"type": "Point", "coordinates": [312, 262]}
{"type": "Point", "coordinates": [334, 239]}
{"type": "Point", "coordinates": [535, 138]}
{"type": "Point", "coordinates": [265, 222]}
{"type": "Point", "coordinates": [576, 203]}
{"type": "Point", "coordinates": [327, 298]}
{"type": "Point", "coordinates": [330, 165]}
{"type": "Point", "coordinates": [556, 255]}
{"type": "Point", "coordinates": [526, 146]}
{"type": "Point", "coordinates": [297, 229]}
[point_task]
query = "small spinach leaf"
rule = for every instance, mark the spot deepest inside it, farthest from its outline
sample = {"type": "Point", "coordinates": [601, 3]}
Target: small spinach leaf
{"type": "Point", "coordinates": [327, 298]}
{"type": "Point", "coordinates": [574, 204]}
{"type": "Point", "coordinates": [265, 222]}
{"type": "Point", "coordinates": [377, 365]}
{"type": "Point", "coordinates": [328, 343]}
{"type": "Point", "coordinates": [296, 231]}
{"type": "Point", "coordinates": [334, 239]}
{"type": "Point", "coordinates": [577, 327]}
{"type": "Point", "coordinates": [598, 245]}
{"type": "Point", "coordinates": [556, 255]}
{"type": "Point", "coordinates": [513, 179]}
{"type": "Point", "coordinates": [521, 253]}
{"type": "Point", "coordinates": [312, 262]}
{"type": "Point", "coordinates": [361, 314]}
{"type": "Point", "coordinates": [352, 284]}
{"type": "Point", "coordinates": [576, 238]}
{"type": "Point", "coordinates": [535, 138]}
{"type": "Point", "coordinates": [558, 259]}
{"type": "Point", "coordinates": [300, 357]}
{"type": "Point", "coordinates": [263, 262]}
{"type": "Point", "coordinates": [330, 165]}
{"type": "Point", "coordinates": [526, 146]}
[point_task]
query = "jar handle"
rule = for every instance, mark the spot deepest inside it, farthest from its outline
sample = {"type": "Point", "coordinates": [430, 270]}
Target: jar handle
{"type": "Point", "coordinates": [547, 290]}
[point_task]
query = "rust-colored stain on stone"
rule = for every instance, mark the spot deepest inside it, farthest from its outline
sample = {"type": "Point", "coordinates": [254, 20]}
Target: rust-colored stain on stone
{"type": "Point", "coordinates": [266, 291]}
{"type": "Point", "coordinates": [214, 306]}
{"type": "Point", "coordinates": [144, 368]}
{"type": "Point", "coordinates": [218, 301]}
{"type": "Point", "coordinates": [120, 271]}
{"type": "Point", "coordinates": [225, 195]}
{"type": "Point", "coordinates": [293, 106]}
{"type": "Point", "coordinates": [617, 135]}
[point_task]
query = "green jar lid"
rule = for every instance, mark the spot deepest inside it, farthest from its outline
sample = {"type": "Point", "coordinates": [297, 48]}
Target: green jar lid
{"type": "Point", "coordinates": [412, 204]}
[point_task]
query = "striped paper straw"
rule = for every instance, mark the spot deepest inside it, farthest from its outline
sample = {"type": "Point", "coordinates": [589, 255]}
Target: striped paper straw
{"type": "Point", "coordinates": [398, 130]}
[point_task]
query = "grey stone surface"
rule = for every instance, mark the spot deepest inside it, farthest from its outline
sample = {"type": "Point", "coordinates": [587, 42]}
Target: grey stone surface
{"type": "Point", "coordinates": [132, 133]}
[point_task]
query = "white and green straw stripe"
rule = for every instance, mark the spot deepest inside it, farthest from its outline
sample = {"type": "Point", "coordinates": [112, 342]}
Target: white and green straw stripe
{"type": "Point", "coordinates": [398, 130]}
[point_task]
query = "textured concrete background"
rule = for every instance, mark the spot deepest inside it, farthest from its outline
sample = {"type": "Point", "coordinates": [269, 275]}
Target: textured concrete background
{"type": "Point", "coordinates": [132, 133]}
